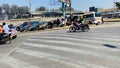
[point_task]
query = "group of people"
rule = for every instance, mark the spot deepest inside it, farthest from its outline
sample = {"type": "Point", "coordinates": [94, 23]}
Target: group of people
{"type": "Point", "coordinates": [4, 29]}
{"type": "Point", "coordinates": [78, 22]}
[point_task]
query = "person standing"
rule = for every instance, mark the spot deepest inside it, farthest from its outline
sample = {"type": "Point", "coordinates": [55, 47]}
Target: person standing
{"type": "Point", "coordinates": [58, 22]}
{"type": "Point", "coordinates": [102, 20]}
{"type": "Point", "coordinates": [63, 22]}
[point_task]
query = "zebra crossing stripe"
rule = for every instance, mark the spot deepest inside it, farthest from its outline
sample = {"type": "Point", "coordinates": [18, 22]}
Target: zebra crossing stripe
{"type": "Point", "coordinates": [90, 40]}
{"type": "Point", "coordinates": [61, 59]}
{"type": "Point", "coordinates": [86, 37]}
{"type": "Point", "coordinates": [72, 50]}
{"type": "Point", "coordinates": [74, 43]}
{"type": "Point", "coordinates": [115, 41]}
{"type": "Point", "coordinates": [15, 63]}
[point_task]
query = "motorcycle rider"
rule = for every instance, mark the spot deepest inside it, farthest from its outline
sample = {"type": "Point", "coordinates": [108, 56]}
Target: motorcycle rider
{"type": "Point", "coordinates": [6, 31]}
{"type": "Point", "coordinates": [85, 23]}
{"type": "Point", "coordinates": [5, 28]}
{"type": "Point", "coordinates": [1, 32]}
{"type": "Point", "coordinates": [1, 29]}
{"type": "Point", "coordinates": [77, 23]}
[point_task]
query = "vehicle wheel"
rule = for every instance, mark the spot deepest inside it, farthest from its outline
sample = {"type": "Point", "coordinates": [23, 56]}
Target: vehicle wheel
{"type": "Point", "coordinates": [14, 37]}
{"type": "Point", "coordinates": [85, 29]}
{"type": "Point", "coordinates": [97, 23]}
{"type": "Point", "coordinates": [72, 29]}
{"type": "Point", "coordinates": [18, 28]}
{"type": "Point", "coordinates": [43, 28]}
{"type": "Point", "coordinates": [7, 40]}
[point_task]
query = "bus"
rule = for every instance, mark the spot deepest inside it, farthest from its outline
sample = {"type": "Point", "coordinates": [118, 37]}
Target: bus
{"type": "Point", "coordinates": [92, 17]}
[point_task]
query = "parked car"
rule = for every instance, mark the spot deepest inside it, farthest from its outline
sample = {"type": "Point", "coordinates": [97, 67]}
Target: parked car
{"type": "Point", "coordinates": [43, 25]}
{"type": "Point", "coordinates": [32, 25]}
{"type": "Point", "coordinates": [12, 31]}
{"type": "Point", "coordinates": [22, 27]}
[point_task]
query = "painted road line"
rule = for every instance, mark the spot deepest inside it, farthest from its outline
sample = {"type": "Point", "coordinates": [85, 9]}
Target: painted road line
{"type": "Point", "coordinates": [81, 37]}
{"type": "Point", "coordinates": [75, 44]}
{"type": "Point", "coordinates": [61, 59]}
{"type": "Point", "coordinates": [78, 51]}
{"type": "Point", "coordinates": [15, 63]}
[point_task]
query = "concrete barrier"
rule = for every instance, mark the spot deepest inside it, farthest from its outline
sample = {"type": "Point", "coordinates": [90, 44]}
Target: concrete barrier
{"type": "Point", "coordinates": [111, 19]}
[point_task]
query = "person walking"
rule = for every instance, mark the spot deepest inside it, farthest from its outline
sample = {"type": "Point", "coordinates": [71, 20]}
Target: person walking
{"type": "Point", "coordinates": [102, 20]}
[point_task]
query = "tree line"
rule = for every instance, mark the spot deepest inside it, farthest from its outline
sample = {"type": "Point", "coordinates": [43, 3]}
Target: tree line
{"type": "Point", "coordinates": [13, 11]}
{"type": "Point", "coordinates": [7, 11]}
{"type": "Point", "coordinates": [117, 5]}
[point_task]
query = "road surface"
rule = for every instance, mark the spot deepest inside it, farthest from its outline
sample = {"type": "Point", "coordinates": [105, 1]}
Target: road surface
{"type": "Point", "coordinates": [98, 48]}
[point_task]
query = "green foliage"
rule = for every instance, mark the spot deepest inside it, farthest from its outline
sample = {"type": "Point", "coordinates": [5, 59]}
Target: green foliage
{"type": "Point", "coordinates": [41, 8]}
{"type": "Point", "coordinates": [12, 10]}
{"type": "Point", "coordinates": [117, 5]}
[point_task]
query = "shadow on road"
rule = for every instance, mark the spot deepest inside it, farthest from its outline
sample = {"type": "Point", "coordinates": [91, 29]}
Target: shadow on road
{"type": "Point", "coordinates": [75, 32]}
{"type": "Point", "coordinates": [110, 46]}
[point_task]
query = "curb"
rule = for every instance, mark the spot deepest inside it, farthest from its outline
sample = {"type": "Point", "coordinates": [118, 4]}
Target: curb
{"type": "Point", "coordinates": [67, 27]}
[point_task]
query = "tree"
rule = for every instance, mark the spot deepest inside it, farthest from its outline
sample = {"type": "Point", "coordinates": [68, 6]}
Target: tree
{"type": "Point", "coordinates": [14, 9]}
{"type": "Point", "coordinates": [6, 8]}
{"type": "Point", "coordinates": [0, 10]}
{"type": "Point", "coordinates": [117, 5]}
{"type": "Point", "coordinates": [41, 8]}
{"type": "Point", "coordinates": [23, 10]}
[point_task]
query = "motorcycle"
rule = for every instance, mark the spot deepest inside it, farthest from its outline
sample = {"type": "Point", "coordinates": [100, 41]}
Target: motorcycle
{"type": "Point", "coordinates": [5, 39]}
{"type": "Point", "coordinates": [79, 26]}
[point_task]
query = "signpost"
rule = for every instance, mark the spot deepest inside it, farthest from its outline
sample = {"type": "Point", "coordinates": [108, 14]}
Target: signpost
{"type": "Point", "coordinates": [63, 6]}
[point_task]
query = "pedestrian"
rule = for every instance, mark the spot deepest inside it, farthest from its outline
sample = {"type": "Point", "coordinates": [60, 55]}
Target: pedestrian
{"type": "Point", "coordinates": [51, 24]}
{"type": "Point", "coordinates": [58, 22]}
{"type": "Point", "coordinates": [63, 22]}
{"type": "Point", "coordinates": [102, 20]}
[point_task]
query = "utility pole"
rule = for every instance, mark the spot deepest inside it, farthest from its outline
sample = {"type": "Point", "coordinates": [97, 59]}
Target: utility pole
{"type": "Point", "coordinates": [114, 8]}
{"type": "Point", "coordinates": [70, 8]}
{"type": "Point", "coordinates": [71, 17]}
{"type": "Point", "coordinates": [30, 9]}
{"type": "Point", "coordinates": [63, 9]}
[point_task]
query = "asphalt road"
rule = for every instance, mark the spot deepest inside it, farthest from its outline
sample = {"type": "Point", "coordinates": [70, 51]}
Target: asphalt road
{"type": "Point", "coordinates": [98, 48]}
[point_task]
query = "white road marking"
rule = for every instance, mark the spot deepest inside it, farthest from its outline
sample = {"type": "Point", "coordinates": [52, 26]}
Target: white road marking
{"type": "Point", "coordinates": [15, 63]}
{"type": "Point", "coordinates": [61, 59]}
{"type": "Point", "coordinates": [72, 50]}
{"type": "Point", "coordinates": [75, 43]}
{"type": "Point", "coordinates": [86, 37]}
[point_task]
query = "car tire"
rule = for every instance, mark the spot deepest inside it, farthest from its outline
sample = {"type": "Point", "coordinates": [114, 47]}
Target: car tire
{"type": "Point", "coordinates": [14, 37]}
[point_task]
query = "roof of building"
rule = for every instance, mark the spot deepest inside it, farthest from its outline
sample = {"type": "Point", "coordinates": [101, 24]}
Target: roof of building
{"type": "Point", "coordinates": [59, 12]}
{"type": "Point", "coordinates": [109, 10]}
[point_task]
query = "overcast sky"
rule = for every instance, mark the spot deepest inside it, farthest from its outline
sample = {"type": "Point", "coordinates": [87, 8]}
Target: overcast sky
{"type": "Point", "coordinates": [82, 5]}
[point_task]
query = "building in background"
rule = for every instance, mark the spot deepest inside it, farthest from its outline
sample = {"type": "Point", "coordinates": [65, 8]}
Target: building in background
{"type": "Point", "coordinates": [110, 13]}
{"type": "Point", "coordinates": [53, 13]}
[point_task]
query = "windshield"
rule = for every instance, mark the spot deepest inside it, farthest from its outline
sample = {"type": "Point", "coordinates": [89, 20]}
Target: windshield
{"type": "Point", "coordinates": [97, 14]}
{"type": "Point", "coordinates": [24, 24]}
